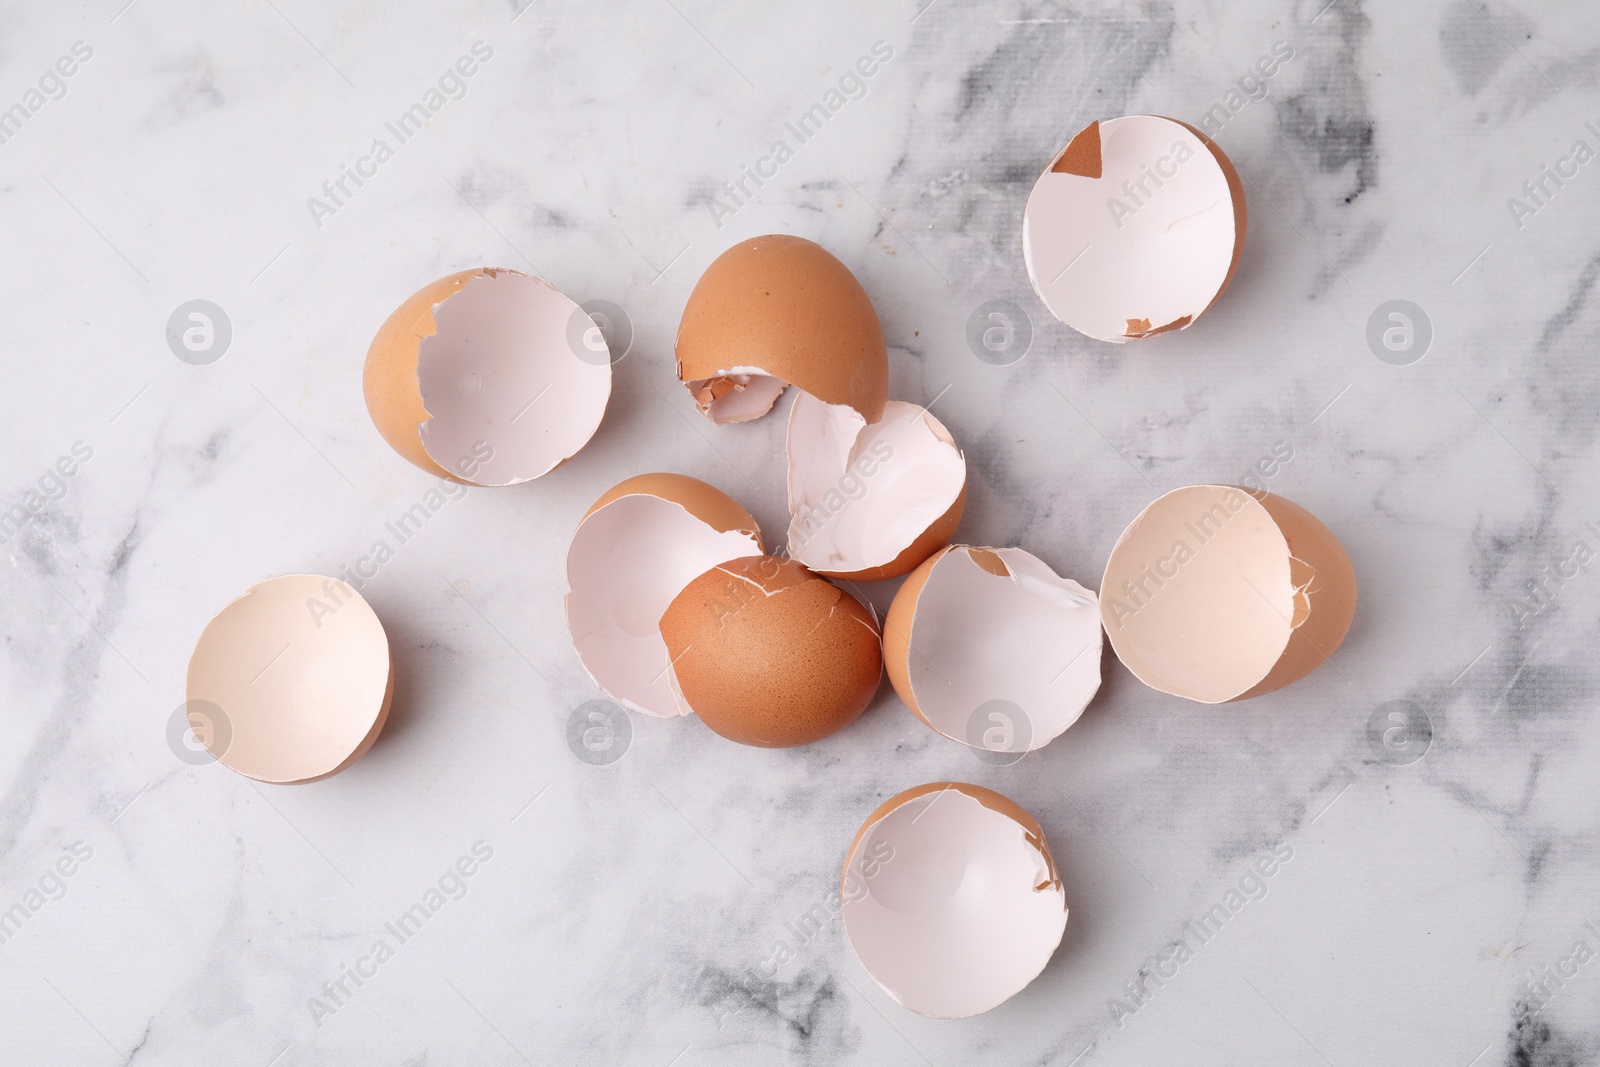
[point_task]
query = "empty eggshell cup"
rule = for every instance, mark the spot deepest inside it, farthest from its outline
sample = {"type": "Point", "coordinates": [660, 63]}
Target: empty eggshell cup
{"type": "Point", "coordinates": [769, 654]}
{"type": "Point", "coordinates": [488, 377]}
{"type": "Point", "coordinates": [776, 311]}
{"type": "Point", "coordinates": [1134, 229]}
{"type": "Point", "coordinates": [1215, 593]}
{"type": "Point", "coordinates": [292, 681]}
{"type": "Point", "coordinates": [869, 501]}
{"type": "Point", "coordinates": [992, 648]}
{"type": "Point", "coordinates": [634, 551]}
{"type": "Point", "coordinates": [951, 900]}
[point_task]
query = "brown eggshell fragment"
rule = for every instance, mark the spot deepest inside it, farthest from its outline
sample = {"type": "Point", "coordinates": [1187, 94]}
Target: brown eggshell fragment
{"type": "Point", "coordinates": [869, 501]}
{"type": "Point", "coordinates": [1135, 228]}
{"type": "Point", "coordinates": [992, 648]}
{"type": "Point", "coordinates": [292, 681]}
{"type": "Point", "coordinates": [769, 654]}
{"type": "Point", "coordinates": [1218, 593]}
{"type": "Point", "coordinates": [487, 377]}
{"type": "Point", "coordinates": [635, 550]}
{"type": "Point", "coordinates": [951, 899]}
{"type": "Point", "coordinates": [774, 311]}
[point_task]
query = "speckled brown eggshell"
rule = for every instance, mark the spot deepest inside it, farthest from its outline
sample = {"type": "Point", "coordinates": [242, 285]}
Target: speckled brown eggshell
{"type": "Point", "coordinates": [769, 654]}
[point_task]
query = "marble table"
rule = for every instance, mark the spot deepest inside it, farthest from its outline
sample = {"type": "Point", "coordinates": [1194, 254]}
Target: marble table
{"type": "Point", "coordinates": [1428, 797]}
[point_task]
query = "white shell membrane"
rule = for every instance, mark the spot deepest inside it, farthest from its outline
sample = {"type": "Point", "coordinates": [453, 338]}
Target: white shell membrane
{"type": "Point", "coordinates": [298, 667]}
{"type": "Point", "coordinates": [860, 494]}
{"type": "Point", "coordinates": [1198, 597]}
{"type": "Point", "coordinates": [950, 907]}
{"type": "Point", "coordinates": [1151, 239]}
{"type": "Point", "coordinates": [1030, 639]}
{"type": "Point", "coordinates": [627, 562]}
{"type": "Point", "coordinates": [515, 379]}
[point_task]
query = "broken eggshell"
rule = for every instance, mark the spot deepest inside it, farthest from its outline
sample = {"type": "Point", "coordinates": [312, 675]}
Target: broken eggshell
{"type": "Point", "coordinates": [632, 553]}
{"type": "Point", "coordinates": [869, 501]}
{"type": "Point", "coordinates": [296, 678]}
{"type": "Point", "coordinates": [1217, 593]}
{"type": "Point", "coordinates": [488, 377]}
{"type": "Point", "coordinates": [951, 899]}
{"type": "Point", "coordinates": [992, 648]}
{"type": "Point", "coordinates": [1134, 229]}
{"type": "Point", "coordinates": [769, 654]}
{"type": "Point", "coordinates": [776, 311]}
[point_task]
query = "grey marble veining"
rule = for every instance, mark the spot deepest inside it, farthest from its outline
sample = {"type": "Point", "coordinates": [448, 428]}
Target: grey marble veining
{"type": "Point", "coordinates": [1434, 894]}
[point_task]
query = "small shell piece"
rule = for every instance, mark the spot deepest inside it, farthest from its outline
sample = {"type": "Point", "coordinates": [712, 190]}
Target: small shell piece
{"type": "Point", "coordinates": [635, 550]}
{"type": "Point", "coordinates": [1134, 229]}
{"type": "Point", "coordinates": [951, 899]}
{"type": "Point", "coordinates": [775, 311]}
{"type": "Point", "coordinates": [1218, 593]}
{"type": "Point", "coordinates": [992, 648]}
{"type": "Point", "coordinates": [292, 681]}
{"type": "Point", "coordinates": [769, 654]}
{"type": "Point", "coordinates": [488, 377]}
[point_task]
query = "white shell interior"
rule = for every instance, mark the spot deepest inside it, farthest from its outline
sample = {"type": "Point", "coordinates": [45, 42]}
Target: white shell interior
{"type": "Point", "coordinates": [1151, 239]}
{"type": "Point", "coordinates": [860, 494]}
{"type": "Point", "coordinates": [299, 666]}
{"type": "Point", "coordinates": [1198, 597]}
{"type": "Point", "coordinates": [1029, 638]}
{"type": "Point", "coordinates": [752, 395]}
{"type": "Point", "coordinates": [515, 380]}
{"type": "Point", "coordinates": [627, 562]}
{"type": "Point", "coordinates": [950, 907]}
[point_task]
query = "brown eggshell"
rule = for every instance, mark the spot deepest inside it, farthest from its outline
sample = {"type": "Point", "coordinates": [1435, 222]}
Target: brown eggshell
{"type": "Point", "coordinates": [933, 539]}
{"type": "Point", "coordinates": [785, 305]}
{"type": "Point", "coordinates": [1103, 266]}
{"type": "Point", "coordinates": [987, 797]}
{"type": "Point", "coordinates": [897, 637]}
{"type": "Point", "coordinates": [389, 379]}
{"type": "Point", "coordinates": [769, 654]}
{"type": "Point", "coordinates": [951, 900]}
{"type": "Point", "coordinates": [1330, 605]}
{"type": "Point", "coordinates": [452, 372]}
{"type": "Point", "coordinates": [1218, 593]}
{"type": "Point", "coordinates": [705, 502]}
{"type": "Point", "coordinates": [300, 671]}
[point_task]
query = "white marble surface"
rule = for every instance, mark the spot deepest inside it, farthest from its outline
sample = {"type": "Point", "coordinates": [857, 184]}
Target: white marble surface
{"type": "Point", "coordinates": [619, 916]}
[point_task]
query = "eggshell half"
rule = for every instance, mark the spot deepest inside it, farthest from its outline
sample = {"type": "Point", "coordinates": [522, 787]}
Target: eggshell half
{"type": "Point", "coordinates": [634, 551]}
{"type": "Point", "coordinates": [975, 626]}
{"type": "Point", "coordinates": [1134, 229]}
{"type": "Point", "coordinates": [775, 311]}
{"type": "Point", "coordinates": [299, 668]}
{"type": "Point", "coordinates": [1215, 593]}
{"type": "Point", "coordinates": [769, 654]}
{"type": "Point", "coordinates": [488, 377]}
{"type": "Point", "coordinates": [951, 899]}
{"type": "Point", "coordinates": [870, 500]}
